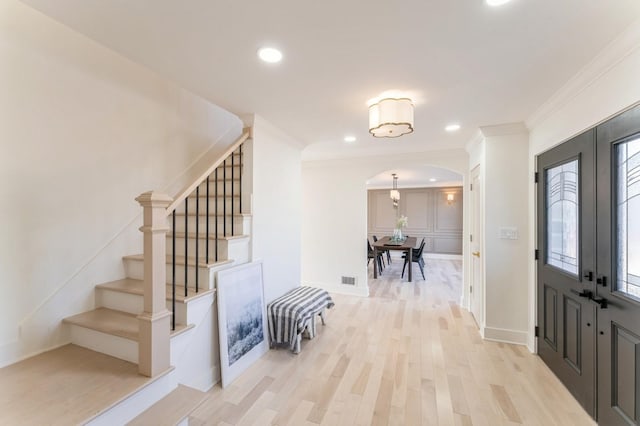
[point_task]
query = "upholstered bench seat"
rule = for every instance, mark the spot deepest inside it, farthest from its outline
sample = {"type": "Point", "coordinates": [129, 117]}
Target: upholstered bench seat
{"type": "Point", "coordinates": [290, 315]}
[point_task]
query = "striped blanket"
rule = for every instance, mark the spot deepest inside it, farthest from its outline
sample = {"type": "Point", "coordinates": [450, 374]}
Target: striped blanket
{"type": "Point", "coordinates": [289, 315]}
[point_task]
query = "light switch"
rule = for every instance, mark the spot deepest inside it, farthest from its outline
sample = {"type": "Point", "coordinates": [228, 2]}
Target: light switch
{"type": "Point", "coordinates": [508, 233]}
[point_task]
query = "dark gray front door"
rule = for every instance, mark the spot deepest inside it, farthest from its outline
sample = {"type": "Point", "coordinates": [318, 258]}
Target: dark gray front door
{"type": "Point", "coordinates": [618, 272]}
{"type": "Point", "coordinates": [566, 265]}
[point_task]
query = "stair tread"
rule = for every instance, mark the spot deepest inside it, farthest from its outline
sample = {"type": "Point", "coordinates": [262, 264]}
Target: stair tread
{"type": "Point", "coordinates": [191, 261]}
{"type": "Point", "coordinates": [133, 286]}
{"type": "Point", "coordinates": [116, 323]}
{"type": "Point", "coordinates": [171, 409]}
{"type": "Point", "coordinates": [211, 236]}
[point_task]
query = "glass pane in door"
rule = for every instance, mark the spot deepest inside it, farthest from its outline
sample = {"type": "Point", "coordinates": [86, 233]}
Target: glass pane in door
{"type": "Point", "coordinates": [628, 217]}
{"type": "Point", "coordinates": [562, 216]}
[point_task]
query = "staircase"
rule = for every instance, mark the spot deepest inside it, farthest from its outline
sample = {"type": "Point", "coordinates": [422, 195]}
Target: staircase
{"type": "Point", "coordinates": [209, 230]}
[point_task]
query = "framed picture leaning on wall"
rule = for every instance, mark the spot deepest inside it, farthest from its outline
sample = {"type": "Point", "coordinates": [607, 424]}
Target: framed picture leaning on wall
{"type": "Point", "coordinates": [241, 319]}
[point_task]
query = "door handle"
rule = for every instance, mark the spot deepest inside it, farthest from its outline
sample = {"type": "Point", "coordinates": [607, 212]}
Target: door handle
{"type": "Point", "coordinates": [476, 253]}
{"type": "Point", "coordinates": [583, 293]}
{"type": "Point", "coordinates": [588, 275]}
{"type": "Point", "coordinates": [602, 280]}
{"type": "Point", "coordinates": [601, 301]}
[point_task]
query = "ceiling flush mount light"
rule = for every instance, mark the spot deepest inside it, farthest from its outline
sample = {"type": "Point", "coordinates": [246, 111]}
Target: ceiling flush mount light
{"type": "Point", "coordinates": [452, 127]}
{"type": "Point", "coordinates": [497, 2]}
{"type": "Point", "coordinates": [391, 117]}
{"type": "Point", "coordinates": [349, 139]}
{"type": "Point", "coordinates": [394, 194]}
{"type": "Point", "coordinates": [432, 180]}
{"type": "Point", "coordinates": [270, 55]}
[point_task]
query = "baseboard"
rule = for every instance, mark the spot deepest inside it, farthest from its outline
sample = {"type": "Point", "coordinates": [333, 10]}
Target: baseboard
{"type": "Point", "coordinates": [443, 256]}
{"type": "Point", "coordinates": [515, 337]}
{"type": "Point", "coordinates": [341, 289]}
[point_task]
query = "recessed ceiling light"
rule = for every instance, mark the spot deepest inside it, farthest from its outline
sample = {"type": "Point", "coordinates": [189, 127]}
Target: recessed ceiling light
{"type": "Point", "coordinates": [432, 180]}
{"type": "Point", "coordinates": [497, 2]}
{"type": "Point", "coordinates": [452, 127]}
{"type": "Point", "coordinates": [270, 55]}
{"type": "Point", "coordinates": [349, 138]}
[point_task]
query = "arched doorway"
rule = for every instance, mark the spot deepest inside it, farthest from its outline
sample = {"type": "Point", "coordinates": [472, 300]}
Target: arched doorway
{"type": "Point", "coordinates": [431, 198]}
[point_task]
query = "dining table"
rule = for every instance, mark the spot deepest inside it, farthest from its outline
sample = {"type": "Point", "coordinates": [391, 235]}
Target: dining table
{"type": "Point", "coordinates": [387, 243]}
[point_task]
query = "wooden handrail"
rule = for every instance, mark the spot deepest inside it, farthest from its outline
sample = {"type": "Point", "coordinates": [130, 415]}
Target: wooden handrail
{"type": "Point", "coordinates": [189, 189]}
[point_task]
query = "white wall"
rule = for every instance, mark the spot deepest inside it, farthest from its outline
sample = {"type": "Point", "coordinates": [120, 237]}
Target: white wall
{"type": "Point", "coordinates": [506, 205]}
{"type": "Point", "coordinates": [334, 228]}
{"type": "Point", "coordinates": [277, 207]}
{"type": "Point", "coordinates": [605, 87]}
{"type": "Point", "coordinates": [502, 152]}
{"type": "Point", "coordinates": [83, 131]}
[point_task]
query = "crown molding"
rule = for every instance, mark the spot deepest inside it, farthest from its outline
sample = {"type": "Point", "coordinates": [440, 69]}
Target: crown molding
{"type": "Point", "coordinates": [475, 140]}
{"type": "Point", "coordinates": [614, 53]}
{"type": "Point", "coordinates": [504, 129]}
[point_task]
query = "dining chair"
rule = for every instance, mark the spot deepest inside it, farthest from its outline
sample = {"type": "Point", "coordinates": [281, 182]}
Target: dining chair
{"type": "Point", "coordinates": [416, 257]}
{"type": "Point", "coordinates": [388, 252]}
{"type": "Point", "coordinates": [371, 255]}
{"type": "Point", "coordinates": [415, 250]}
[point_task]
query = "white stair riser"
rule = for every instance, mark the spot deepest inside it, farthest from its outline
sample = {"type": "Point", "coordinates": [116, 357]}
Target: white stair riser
{"type": "Point", "coordinates": [115, 346]}
{"type": "Point", "coordinates": [202, 208]}
{"type": "Point", "coordinates": [202, 245]}
{"type": "Point", "coordinates": [119, 301]}
{"type": "Point", "coordinates": [241, 224]}
{"type": "Point", "coordinates": [235, 249]}
{"type": "Point", "coordinates": [133, 303]}
{"type": "Point", "coordinates": [135, 269]}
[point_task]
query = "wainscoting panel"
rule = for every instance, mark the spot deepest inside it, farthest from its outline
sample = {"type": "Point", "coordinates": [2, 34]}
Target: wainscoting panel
{"type": "Point", "coordinates": [430, 216]}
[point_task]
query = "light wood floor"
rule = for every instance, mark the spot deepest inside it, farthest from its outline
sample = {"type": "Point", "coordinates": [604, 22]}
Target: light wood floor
{"type": "Point", "coordinates": [407, 355]}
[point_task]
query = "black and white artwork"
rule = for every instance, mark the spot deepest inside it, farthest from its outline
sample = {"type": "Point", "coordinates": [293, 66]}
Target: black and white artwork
{"type": "Point", "coordinates": [241, 319]}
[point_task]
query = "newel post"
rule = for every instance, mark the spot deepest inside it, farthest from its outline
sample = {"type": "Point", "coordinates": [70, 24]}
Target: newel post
{"type": "Point", "coordinates": [153, 346]}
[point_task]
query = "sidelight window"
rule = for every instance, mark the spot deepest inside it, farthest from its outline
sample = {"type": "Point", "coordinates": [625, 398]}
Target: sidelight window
{"type": "Point", "coordinates": [562, 216]}
{"type": "Point", "coordinates": [628, 216]}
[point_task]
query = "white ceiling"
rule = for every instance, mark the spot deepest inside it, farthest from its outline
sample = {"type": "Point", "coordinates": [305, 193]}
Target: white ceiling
{"type": "Point", "coordinates": [461, 60]}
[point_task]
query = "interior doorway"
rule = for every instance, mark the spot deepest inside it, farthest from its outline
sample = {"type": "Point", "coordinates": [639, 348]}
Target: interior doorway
{"type": "Point", "coordinates": [476, 282]}
{"type": "Point", "coordinates": [432, 200]}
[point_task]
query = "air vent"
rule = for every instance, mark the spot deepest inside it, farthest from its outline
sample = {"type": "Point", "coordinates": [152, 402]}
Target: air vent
{"type": "Point", "coordinates": [349, 280]}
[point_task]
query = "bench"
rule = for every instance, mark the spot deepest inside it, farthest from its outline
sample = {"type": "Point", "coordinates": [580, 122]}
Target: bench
{"type": "Point", "coordinates": [294, 313]}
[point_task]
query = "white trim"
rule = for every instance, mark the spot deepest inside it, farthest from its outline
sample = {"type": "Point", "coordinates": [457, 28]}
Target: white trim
{"type": "Point", "coordinates": [477, 138]}
{"type": "Point", "coordinates": [503, 335]}
{"type": "Point", "coordinates": [442, 256]}
{"type": "Point", "coordinates": [115, 346]}
{"type": "Point", "coordinates": [504, 129]}
{"type": "Point", "coordinates": [608, 58]}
